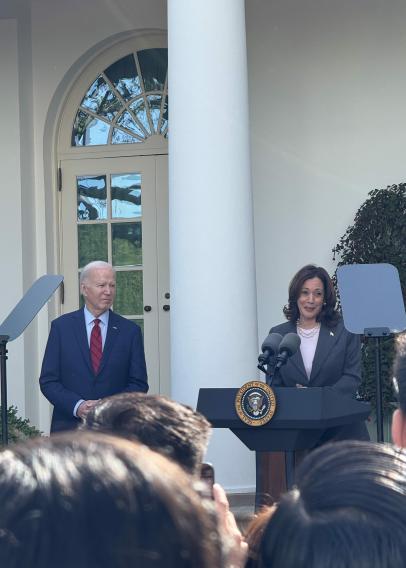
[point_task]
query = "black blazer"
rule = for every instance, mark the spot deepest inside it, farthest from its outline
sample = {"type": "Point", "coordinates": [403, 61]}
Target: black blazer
{"type": "Point", "coordinates": [336, 363]}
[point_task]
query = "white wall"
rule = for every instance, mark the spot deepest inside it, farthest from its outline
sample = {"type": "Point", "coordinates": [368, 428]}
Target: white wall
{"type": "Point", "coordinates": [11, 284]}
{"type": "Point", "coordinates": [328, 116]}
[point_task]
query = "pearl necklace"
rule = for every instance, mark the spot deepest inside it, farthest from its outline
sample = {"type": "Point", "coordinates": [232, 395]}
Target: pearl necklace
{"type": "Point", "coordinates": [308, 333]}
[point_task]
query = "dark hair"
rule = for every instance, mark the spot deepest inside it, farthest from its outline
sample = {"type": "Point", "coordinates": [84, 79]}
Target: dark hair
{"type": "Point", "coordinates": [399, 370]}
{"type": "Point", "coordinates": [166, 426]}
{"type": "Point", "coordinates": [90, 500]}
{"type": "Point", "coordinates": [348, 509]}
{"type": "Point", "coordinates": [254, 534]}
{"type": "Point", "coordinates": [329, 314]}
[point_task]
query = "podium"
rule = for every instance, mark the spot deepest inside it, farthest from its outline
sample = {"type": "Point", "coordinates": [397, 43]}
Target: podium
{"type": "Point", "coordinates": [300, 419]}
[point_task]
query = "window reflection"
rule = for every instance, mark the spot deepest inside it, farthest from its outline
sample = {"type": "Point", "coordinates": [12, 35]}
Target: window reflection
{"type": "Point", "coordinates": [89, 131]}
{"type": "Point", "coordinates": [101, 100]}
{"type": "Point", "coordinates": [126, 121]}
{"type": "Point", "coordinates": [92, 243]}
{"type": "Point", "coordinates": [154, 102]}
{"type": "Point", "coordinates": [124, 76]}
{"type": "Point", "coordinates": [154, 65]}
{"type": "Point", "coordinates": [118, 101]}
{"type": "Point", "coordinates": [126, 241]}
{"type": "Point", "coordinates": [92, 197]}
{"type": "Point", "coordinates": [139, 109]}
{"type": "Point", "coordinates": [126, 195]}
{"type": "Point", "coordinates": [129, 295]}
{"type": "Point", "coordinates": [121, 137]}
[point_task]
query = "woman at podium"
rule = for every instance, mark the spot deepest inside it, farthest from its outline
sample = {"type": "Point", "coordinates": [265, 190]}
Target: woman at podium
{"type": "Point", "coordinates": [329, 355]}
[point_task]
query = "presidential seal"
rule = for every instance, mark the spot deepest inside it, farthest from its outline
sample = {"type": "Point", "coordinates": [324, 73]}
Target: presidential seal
{"type": "Point", "coordinates": [255, 403]}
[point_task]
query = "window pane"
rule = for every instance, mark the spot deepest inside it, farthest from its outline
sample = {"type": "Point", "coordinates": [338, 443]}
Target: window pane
{"type": "Point", "coordinates": [164, 124]}
{"type": "Point", "coordinates": [92, 243]}
{"type": "Point", "coordinates": [89, 131]}
{"type": "Point", "coordinates": [125, 196]}
{"type": "Point", "coordinates": [121, 137]}
{"type": "Point", "coordinates": [100, 99]}
{"type": "Point", "coordinates": [124, 76]}
{"type": "Point", "coordinates": [127, 244]}
{"type": "Point", "coordinates": [138, 108]}
{"type": "Point", "coordinates": [126, 121]}
{"type": "Point", "coordinates": [154, 102]}
{"type": "Point", "coordinates": [129, 297]}
{"type": "Point", "coordinates": [153, 64]}
{"type": "Point", "coordinates": [92, 197]}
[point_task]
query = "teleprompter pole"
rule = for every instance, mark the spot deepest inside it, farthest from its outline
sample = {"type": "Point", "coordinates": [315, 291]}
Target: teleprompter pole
{"type": "Point", "coordinates": [379, 404]}
{"type": "Point", "coordinates": [3, 385]}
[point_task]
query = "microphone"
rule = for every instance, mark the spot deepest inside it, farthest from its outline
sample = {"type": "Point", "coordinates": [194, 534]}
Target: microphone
{"type": "Point", "coordinates": [288, 347]}
{"type": "Point", "coordinates": [269, 347]}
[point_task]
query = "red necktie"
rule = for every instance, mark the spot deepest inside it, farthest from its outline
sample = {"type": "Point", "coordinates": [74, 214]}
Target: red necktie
{"type": "Point", "coordinates": [96, 346]}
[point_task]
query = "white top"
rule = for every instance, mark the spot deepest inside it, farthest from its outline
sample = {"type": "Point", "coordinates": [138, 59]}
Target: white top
{"type": "Point", "coordinates": [308, 344]}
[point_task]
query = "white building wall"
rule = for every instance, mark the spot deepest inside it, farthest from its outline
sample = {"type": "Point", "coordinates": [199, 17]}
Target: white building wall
{"type": "Point", "coordinates": [327, 125]}
{"type": "Point", "coordinates": [11, 284]}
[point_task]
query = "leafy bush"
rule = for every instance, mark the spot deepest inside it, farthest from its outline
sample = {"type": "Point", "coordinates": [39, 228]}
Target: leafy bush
{"type": "Point", "coordinates": [377, 235]}
{"type": "Point", "coordinates": [19, 429]}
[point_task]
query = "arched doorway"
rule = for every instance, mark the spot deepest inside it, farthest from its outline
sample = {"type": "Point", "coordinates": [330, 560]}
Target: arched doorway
{"type": "Point", "coordinates": [113, 203]}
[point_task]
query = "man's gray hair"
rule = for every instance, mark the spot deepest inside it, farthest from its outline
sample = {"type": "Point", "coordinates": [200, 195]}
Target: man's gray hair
{"type": "Point", "coordinates": [84, 274]}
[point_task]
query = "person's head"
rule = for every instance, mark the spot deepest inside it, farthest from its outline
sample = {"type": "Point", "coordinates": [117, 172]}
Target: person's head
{"type": "Point", "coordinates": [312, 297]}
{"type": "Point", "coordinates": [254, 534]}
{"type": "Point", "coordinates": [166, 426]}
{"type": "Point", "coordinates": [399, 416]}
{"type": "Point", "coordinates": [91, 500]}
{"type": "Point", "coordinates": [348, 509]}
{"type": "Point", "coordinates": [98, 286]}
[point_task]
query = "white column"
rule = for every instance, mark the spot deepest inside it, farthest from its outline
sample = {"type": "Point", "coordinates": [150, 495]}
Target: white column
{"type": "Point", "coordinates": [212, 265]}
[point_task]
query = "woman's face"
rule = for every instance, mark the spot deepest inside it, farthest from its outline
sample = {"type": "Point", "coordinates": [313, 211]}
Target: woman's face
{"type": "Point", "coordinates": [310, 301]}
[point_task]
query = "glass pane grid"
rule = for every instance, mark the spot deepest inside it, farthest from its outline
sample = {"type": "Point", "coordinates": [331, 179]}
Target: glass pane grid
{"type": "Point", "coordinates": [109, 226]}
{"type": "Point", "coordinates": [126, 103]}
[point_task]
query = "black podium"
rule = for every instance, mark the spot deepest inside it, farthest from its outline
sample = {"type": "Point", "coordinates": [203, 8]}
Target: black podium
{"type": "Point", "coordinates": [300, 419]}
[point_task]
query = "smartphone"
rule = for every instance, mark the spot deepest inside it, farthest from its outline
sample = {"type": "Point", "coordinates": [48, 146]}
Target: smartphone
{"type": "Point", "coordinates": [207, 476]}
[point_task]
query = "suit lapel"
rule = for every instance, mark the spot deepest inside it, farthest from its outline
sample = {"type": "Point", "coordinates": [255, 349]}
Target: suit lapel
{"type": "Point", "coordinates": [81, 336]}
{"type": "Point", "coordinates": [296, 359]}
{"type": "Point", "coordinates": [113, 331]}
{"type": "Point", "coordinates": [327, 338]}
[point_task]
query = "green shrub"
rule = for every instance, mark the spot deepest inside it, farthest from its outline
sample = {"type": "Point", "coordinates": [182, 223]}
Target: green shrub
{"type": "Point", "coordinates": [19, 429]}
{"type": "Point", "coordinates": [378, 235]}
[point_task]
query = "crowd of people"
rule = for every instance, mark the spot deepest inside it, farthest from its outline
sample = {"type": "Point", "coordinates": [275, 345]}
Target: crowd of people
{"type": "Point", "coordinates": [122, 486]}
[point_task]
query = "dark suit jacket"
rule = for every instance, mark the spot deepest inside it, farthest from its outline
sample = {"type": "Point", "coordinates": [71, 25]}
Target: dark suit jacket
{"type": "Point", "coordinates": [336, 363]}
{"type": "Point", "coordinates": [67, 374]}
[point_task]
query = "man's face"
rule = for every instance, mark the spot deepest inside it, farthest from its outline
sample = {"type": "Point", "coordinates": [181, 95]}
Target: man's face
{"type": "Point", "coordinates": [99, 290]}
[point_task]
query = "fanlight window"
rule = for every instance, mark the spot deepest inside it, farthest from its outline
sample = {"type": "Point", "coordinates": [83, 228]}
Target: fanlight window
{"type": "Point", "coordinates": [126, 103]}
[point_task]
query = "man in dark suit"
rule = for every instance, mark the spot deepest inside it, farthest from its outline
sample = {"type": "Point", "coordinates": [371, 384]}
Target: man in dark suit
{"type": "Point", "coordinates": [91, 353]}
